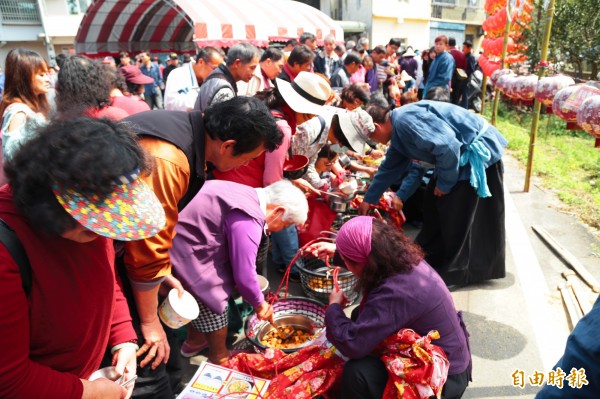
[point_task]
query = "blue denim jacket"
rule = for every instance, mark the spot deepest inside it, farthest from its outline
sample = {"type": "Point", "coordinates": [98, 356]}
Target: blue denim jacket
{"type": "Point", "coordinates": [440, 71]}
{"type": "Point", "coordinates": [437, 133]}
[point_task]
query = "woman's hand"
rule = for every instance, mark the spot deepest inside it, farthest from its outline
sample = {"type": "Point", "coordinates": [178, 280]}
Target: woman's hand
{"type": "Point", "coordinates": [155, 345]}
{"type": "Point", "coordinates": [102, 389]}
{"type": "Point", "coordinates": [371, 171]}
{"type": "Point", "coordinates": [338, 296]}
{"type": "Point", "coordinates": [321, 249]}
{"type": "Point", "coordinates": [397, 203]}
{"type": "Point", "coordinates": [124, 361]}
{"type": "Point", "coordinates": [363, 208]}
{"type": "Point", "coordinates": [376, 154]}
{"type": "Point", "coordinates": [264, 311]}
{"type": "Point", "coordinates": [438, 193]}
{"type": "Point", "coordinates": [168, 284]}
{"type": "Point", "coordinates": [354, 155]}
{"type": "Point", "coordinates": [305, 186]}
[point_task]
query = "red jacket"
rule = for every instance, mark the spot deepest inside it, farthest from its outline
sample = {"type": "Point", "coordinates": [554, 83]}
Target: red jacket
{"type": "Point", "coordinates": [459, 58]}
{"type": "Point", "coordinates": [60, 332]}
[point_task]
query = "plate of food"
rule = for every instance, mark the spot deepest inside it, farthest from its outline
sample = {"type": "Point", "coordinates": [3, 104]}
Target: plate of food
{"type": "Point", "coordinates": [239, 389]}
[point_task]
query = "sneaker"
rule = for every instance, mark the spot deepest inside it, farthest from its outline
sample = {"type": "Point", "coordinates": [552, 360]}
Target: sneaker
{"type": "Point", "coordinates": [294, 273]}
{"type": "Point", "coordinates": [190, 350]}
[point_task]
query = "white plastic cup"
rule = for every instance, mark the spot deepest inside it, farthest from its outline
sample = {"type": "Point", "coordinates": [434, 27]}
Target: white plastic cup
{"type": "Point", "coordinates": [176, 312]}
{"type": "Point", "coordinates": [263, 283]}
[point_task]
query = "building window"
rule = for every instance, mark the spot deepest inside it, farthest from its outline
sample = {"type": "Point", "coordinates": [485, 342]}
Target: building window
{"type": "Point", "coordinates": [444, 2]}
{"type": "Point", "coordinates": [76, 7]}
{"type": "Point", "coordinates": [19, 12]}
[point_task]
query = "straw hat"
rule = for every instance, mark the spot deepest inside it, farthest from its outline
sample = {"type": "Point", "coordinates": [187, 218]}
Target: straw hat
{"type": "Point", "coordinates": [409, 53]}
{"type": "Point", "coordinates": [405, 76]}
{"type": "Point", "coordinates": [306, 94]}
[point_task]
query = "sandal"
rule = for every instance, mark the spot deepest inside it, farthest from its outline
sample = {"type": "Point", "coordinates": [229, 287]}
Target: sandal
{"type": "Point", "coordinates": [190, 350]}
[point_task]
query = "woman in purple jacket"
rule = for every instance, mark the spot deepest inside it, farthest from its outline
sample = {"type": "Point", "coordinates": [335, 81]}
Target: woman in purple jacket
{"type": "Point", "coordinates": [400, 290]}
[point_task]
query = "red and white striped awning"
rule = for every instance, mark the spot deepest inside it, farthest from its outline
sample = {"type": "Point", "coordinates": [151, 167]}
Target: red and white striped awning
{"type": "Point", "coordinates": [110, 26]}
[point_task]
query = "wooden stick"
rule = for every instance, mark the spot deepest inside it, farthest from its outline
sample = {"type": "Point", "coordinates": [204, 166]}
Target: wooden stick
{"type": "Point", "coordinates": [580, 296]}
{"type": "Point", "coordinates": [573, 311]}
{"type": "Point", "coordinates": [568, 258]}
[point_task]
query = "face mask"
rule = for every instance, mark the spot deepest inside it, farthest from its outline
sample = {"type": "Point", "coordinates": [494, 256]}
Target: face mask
{"type": "Point", "coordinates": [271, 221]}
{"type": "Point", "coordinates": [338, 148]}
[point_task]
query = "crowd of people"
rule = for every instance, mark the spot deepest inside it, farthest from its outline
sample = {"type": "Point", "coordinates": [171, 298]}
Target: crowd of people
{"type": "Point", "coordinates": [192, 197]}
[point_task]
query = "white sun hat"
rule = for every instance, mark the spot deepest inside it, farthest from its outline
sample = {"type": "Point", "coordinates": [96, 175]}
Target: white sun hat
{"type": "Point", "coordinates": [357, 126]}
{"type": "Point", "coordinates": [306, 94]}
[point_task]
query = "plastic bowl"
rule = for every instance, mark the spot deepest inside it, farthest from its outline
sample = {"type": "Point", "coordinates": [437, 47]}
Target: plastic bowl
{"type": "Point", "coordinates": [295, 167]}
{"type": "Point", "coordinates": [110, 373]}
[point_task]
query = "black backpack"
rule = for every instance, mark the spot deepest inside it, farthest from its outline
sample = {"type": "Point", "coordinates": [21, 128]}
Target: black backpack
{"type": "Point", "coordinates": [9, 238]}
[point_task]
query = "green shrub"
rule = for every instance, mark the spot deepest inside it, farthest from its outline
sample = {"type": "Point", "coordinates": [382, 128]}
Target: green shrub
{"type": "Point", "coordinates": [565, 160]}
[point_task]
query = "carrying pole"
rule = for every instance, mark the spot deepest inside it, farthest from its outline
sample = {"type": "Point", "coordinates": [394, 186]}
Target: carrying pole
{"type": "Point", "coordinates": [537, 105]}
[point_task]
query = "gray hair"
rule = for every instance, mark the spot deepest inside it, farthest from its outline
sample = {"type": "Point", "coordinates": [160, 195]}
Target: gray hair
{"type": "Point", "coordinates": [284, 193]}
{"type": "Point", "coordinates": [363, 40]}
{"type": "Point", "coordinates": [329, 38]}
{"type": "Point", "coordinates": [245, 52]}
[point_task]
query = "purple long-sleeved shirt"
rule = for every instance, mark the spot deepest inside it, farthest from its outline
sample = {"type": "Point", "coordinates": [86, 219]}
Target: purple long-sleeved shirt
{"type": "Point", "coordinates": [214, 251]}
{"type": "Point", "coordinates": [418, 300]}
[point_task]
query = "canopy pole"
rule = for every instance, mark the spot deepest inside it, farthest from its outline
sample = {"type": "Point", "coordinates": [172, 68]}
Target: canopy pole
{"type": "Point", "coordinates": [483, 92]}
{"type": "Point", "coordinates": [537, 105]}
{"type": "Point", "coordinates": [502, 63]}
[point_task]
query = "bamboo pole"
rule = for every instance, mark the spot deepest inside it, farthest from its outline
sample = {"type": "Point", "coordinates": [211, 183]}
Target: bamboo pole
{"type": "Point", "coordinates": [502, 63]}
{"type": "Point", "coordinates": [537, 105]}
{"type": "Point", "coordinates": [483, 92]}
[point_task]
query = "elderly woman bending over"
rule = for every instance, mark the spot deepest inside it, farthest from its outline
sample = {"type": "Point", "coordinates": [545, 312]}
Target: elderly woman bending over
{"type": "Point", "coordinates": [215, 249]}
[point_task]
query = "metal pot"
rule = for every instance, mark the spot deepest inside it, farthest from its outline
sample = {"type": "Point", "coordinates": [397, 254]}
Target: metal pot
{"type": "Point", "coordinates": [344, 160]}
{"type": "Point", "coordinates": [338, 206]}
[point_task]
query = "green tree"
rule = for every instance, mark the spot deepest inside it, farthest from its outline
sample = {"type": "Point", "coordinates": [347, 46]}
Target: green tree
{"type": "Point", "coordinates": [576, 34]}
{"type": "Point", "coordinates": [575, 37]}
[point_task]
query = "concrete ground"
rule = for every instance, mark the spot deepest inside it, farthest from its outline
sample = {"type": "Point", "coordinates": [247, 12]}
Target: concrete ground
{"type": "Point", "coordinates": [517, 324]}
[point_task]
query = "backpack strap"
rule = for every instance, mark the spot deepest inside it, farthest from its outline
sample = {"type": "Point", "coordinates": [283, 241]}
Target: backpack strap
{"type": "Point", "coordinates": [9, 238]}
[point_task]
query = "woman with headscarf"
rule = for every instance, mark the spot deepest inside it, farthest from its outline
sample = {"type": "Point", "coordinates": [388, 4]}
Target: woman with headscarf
{"type": "Point", "coordinates": [399, 291]}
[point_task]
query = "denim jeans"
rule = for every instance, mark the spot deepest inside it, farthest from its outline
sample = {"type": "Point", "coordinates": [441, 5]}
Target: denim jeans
{"type": "Point", "coordinates": [285, 246]}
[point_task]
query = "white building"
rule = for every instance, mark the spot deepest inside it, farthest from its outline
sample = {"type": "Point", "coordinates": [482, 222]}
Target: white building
{"type": "Point", "coordinates": [414, 22]}
{"type": "Point", "coordinates": [45, 26]}
{"type": "Point", "coordinates": [49, 26]}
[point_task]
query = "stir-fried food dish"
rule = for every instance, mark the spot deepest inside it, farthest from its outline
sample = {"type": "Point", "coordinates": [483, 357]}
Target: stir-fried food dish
{"type": "Point", "coordinates": [295, 337]}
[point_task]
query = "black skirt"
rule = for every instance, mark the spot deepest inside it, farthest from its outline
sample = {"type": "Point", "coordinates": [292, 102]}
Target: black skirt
{"type": "Point", "coordinates": [463, 235]}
